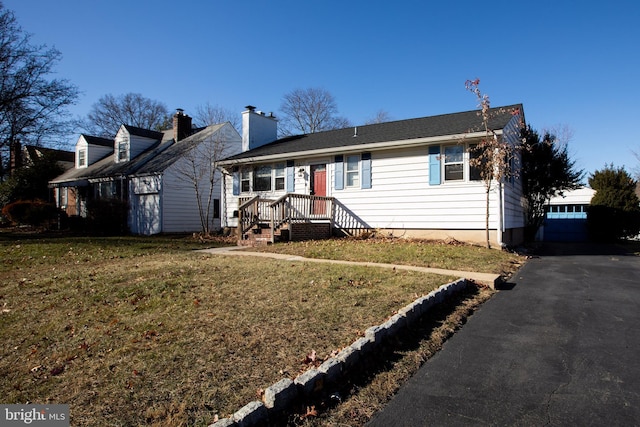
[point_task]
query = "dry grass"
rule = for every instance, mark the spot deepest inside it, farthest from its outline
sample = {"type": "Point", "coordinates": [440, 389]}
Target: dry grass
{"type": "Point", "coordinates": [451, 255]}
{"type": "Point", "coordinates": [364, 396]}
{"type": "Point", "coordinates": [143, 332]}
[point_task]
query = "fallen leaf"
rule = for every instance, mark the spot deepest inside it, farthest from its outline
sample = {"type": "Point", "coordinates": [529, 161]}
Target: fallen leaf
{"type": "Point", "coordinates": [310, 357]}
{"type": "Point", "coordinates": [57, 370]}
{"type": "Point", "coordinates": [311, 412]}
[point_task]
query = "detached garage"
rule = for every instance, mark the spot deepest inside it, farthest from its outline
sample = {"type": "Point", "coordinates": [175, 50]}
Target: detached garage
{"type": "Point", "coordinates": [566, 217]}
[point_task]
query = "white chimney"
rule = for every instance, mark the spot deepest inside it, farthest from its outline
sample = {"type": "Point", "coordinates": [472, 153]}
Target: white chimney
{"type": "Point", "coordinates": [258, 129]}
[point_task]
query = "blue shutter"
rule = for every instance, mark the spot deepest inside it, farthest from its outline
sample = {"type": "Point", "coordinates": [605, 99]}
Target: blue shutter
{"type": "Point", "coordinates": [434, 165]}
{"type": "Point", "coordinates": [236, 183]}
{"type": "Point", "coordinates": [291, 177]}
{"type": "Point", "coordinates": [366, 170]}
{"type": "Point", "coordinates": [339, 173]}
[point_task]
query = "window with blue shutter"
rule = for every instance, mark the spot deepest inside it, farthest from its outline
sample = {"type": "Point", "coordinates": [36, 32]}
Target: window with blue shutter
{"type": "Point", "coordinates": [339, 173]}
{"type": "Point", "coordinates": [366, 170]}
{"type": "Point", "coordinates": [291, 176]}
{"type": "Point", "coordinates": [236, 182]}
{"type": "Point", "coordinates": [434, 165]}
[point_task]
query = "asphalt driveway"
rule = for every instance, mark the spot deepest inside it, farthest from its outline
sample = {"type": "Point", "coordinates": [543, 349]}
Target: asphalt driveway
{"type": "Point", "coordinates": [559, 346]}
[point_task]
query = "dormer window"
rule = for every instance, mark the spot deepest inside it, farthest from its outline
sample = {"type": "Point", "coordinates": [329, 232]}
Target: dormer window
{"type": "Point", "coordinates": [82, 158]}
{"type": "Point", "coordinates": [123, 151]}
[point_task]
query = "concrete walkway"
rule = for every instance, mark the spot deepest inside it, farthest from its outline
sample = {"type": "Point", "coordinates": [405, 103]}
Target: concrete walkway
{"type": "Point", "coordinates": [560, 348]}
{"type": "Point", "coordinates": [487, 279]}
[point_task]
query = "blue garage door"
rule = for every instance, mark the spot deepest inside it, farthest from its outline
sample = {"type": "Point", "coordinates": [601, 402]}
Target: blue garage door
{"type": "Point", "coordinates": [565, 230]}
{"type": "Point", "coordinates": [566, 223]}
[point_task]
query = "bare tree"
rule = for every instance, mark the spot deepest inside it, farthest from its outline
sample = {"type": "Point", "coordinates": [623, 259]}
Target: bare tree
{"type": "Point", "coordinates": [33, 106]}
{"type": "Point", "coordinates": [636, 170]}
{"type": "Point", "coordinates": [198, 168]}
{"type": "Point", "coordinates": [208, 114]}
{"type": "Point", "coordinates": [310, 110]}
{"type": "Point", "coordinates": [493, 156]}
{"type": "Point", "coordinates": [110, 112]}
{"type": "Point", "coordinates": [381, 116]}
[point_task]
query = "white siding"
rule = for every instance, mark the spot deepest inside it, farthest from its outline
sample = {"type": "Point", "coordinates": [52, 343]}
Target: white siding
{"type": "Point", "coordinates": [514, 211]}
{"type": "Point", "coordinates": [179, 203]}
{"type": "Point", "coordinates": [145, 211]}
{"type": "Point", "coordinates": [136, 144]}
{"type": "Point", "coordinates": [229, 204]}
{"type": "Point", "coordinates": [401, 197]}
{"type": "Point", "coordinates": [94, 152]}
{"type": "Point", "coordinates": [580, 196]}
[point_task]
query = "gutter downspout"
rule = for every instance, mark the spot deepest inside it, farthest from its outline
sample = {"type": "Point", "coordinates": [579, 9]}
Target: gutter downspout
{"type": "Point", "coordinates": [223, 200]}
{"type": "Point", "coordinates": [500, 227]}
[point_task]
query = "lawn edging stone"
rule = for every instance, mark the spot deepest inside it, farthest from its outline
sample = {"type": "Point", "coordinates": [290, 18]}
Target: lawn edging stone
{"type": "Point", "coordinates": [313, 383]}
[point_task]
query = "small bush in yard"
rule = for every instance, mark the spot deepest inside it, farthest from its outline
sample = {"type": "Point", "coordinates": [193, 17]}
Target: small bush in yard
{"type": "Point", "coordinates": [31, 212]}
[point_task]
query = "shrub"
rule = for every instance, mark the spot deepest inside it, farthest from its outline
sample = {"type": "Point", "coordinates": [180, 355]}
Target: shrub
{"type": "Point", "coordinates": [614, 212]}
{"type": "Point", "coordinates": [31, 212]}
{"type": "Point", "coordinates": [107, 217]}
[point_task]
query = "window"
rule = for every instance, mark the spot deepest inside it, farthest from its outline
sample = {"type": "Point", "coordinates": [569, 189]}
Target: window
{"type": "Point", "coordinates": [278, 177]}
{"type": "Point", "coordinates": [107, 190]}
{"type": "Point", "coordinates": [123, 151]}
{"type": "Point", "coordinates": [245, 181]}
{"type": "Point", "coordinates": [262, 178]}
{"type": "Point", "coordinates": [279, 172]}
{"type": "Point", "coordinates": [454, 163]}
{"type": "Point", "coordinates": [64, 196]}
{"type": "Point", "coordinates": [82, 158]}
{"type": "Point", "coordinates": [216, 208]}
{"type": "Point", "coordinates": [474, 171]}
{"type": "Point", "coordinates": [353, 171]}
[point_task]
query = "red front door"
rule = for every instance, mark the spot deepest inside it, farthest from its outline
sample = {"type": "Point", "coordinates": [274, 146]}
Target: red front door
{"type": "Point", "coordinates": [319, 188]}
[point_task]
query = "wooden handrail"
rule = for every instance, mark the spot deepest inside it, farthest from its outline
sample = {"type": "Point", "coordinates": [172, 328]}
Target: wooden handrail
{"type": "Point", "coordinates": [288, 208]}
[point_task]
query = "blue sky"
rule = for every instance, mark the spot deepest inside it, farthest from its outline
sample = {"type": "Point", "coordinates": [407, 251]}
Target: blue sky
{"type": "Point", "coordinates": [571, 64]}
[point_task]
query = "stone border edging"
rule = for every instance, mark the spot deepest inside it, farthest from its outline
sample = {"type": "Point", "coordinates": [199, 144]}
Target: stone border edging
{"type": "Point", "coordinates": [311, 383]}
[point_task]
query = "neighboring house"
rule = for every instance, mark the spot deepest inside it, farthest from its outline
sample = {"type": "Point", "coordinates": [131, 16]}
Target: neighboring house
{"type": "Point", "coordinates": [408, 178]}
{"type": "Point", "coordinates": [24, 156]}
{"type": "Point", "coordinates": [566, 217]}
{"type": "Point", "coordinates": [149, 171]}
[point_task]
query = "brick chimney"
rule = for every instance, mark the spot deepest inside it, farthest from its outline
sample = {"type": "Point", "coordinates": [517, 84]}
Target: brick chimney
{"type": "Point", "coordinates": [181, 125]}
{"type": "Point", "coordinates": [257, 128]}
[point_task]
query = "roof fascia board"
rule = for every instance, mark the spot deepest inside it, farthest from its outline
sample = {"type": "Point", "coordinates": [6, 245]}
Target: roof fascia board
{"type": "Point", "coordinates": [70, 183]}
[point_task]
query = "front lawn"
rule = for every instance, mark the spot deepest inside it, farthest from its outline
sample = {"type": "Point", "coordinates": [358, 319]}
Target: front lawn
{"type": "Point", "coordinates": [142, 331]}
{"type": "Point", "coordinates": [436, 254]}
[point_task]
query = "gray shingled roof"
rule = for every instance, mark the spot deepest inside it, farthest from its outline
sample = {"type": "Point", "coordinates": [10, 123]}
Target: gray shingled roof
{"type": "Point", "coordinates": [146, 133]}
{"type": "Point", "coordinates": [156, 159]}
{"type": "Point", "coordinates": [98, 140]}
{"type": "Point", "coordinates": [425, 127]}
{"type": "Point", "coordinates": [165, 159]}
{"type": "Point", "coordinates": [108, 168]}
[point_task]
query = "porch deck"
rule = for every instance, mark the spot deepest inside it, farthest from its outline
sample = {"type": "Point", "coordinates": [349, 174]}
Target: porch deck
{"type": "Point", "coordinates": [291, 217]}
